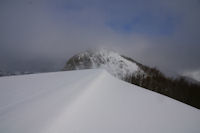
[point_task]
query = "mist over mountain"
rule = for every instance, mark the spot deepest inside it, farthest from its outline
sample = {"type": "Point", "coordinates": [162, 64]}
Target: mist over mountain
{"type": "Point", "coordinates": [114, 63]}
{"type": "Point", "coordinates": [161, 33]}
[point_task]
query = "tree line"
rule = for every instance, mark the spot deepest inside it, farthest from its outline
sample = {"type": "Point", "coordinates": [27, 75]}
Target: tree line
{"type": "Point", "coordinates": [177, 88]}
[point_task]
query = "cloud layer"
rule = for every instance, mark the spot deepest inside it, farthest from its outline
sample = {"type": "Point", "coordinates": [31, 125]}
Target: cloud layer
{"type": "Point", "coordinates": [165, 33]}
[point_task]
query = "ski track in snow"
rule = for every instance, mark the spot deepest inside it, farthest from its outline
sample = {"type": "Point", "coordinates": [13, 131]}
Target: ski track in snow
{"type": "Point", "coordinates": [88, 101]}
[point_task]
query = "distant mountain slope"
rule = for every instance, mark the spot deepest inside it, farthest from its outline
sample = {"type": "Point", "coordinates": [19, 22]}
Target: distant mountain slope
{"type": "Point", "coordinates": [88, 101]}
{"type": "Point", "coordinates": [136, 73]}
{"type": "Point", "coordinates": [5, 73]}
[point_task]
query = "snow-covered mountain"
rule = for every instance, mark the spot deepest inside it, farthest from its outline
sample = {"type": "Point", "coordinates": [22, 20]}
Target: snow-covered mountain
{"type": "Point", "coordinates": [88, 101]}
{"type": "Point", "coordinates": [114, 63]}
{"type": "Point", "coordinates": [136, 73]}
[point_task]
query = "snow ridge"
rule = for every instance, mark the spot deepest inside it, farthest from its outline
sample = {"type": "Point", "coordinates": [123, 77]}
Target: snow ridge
{"type": "Point", "coordinates": [89, 101]}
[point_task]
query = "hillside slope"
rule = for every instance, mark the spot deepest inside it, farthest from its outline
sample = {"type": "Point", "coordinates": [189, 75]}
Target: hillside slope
{"type": "Point", "coordinates": [88, 101]}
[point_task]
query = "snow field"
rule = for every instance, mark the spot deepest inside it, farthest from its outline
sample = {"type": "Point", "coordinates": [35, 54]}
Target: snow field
{"type": "Point", "coordinates": [88, 101]}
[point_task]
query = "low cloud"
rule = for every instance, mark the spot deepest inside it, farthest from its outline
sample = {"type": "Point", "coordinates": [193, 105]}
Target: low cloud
{"type": "Point", "coordinates": [157, 33]}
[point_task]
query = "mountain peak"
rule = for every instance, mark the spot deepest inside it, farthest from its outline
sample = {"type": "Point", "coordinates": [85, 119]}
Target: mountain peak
{"type": "Point", "coordinates": [111, 61]}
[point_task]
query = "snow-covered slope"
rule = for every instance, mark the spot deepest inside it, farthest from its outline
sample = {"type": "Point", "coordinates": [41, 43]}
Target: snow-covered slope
{"type": "Point", "coordinates": [88, 101]}
{"type": "Point", "coordinates": [114, 63]}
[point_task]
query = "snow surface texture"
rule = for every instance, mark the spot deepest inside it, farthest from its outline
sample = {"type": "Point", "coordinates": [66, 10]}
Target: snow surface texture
{"type": "Point", "coordinates": [88, 101]}
{"type": "Point", "coordinates": [111, 61]}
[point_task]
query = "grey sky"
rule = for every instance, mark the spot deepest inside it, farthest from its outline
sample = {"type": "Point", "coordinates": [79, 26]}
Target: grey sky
{"type": "Point", "coordinates": [159, 33]}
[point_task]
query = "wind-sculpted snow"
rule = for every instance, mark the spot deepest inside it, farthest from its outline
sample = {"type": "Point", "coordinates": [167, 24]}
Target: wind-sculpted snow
{"type": "Point", "coordinates": [88, 101]}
